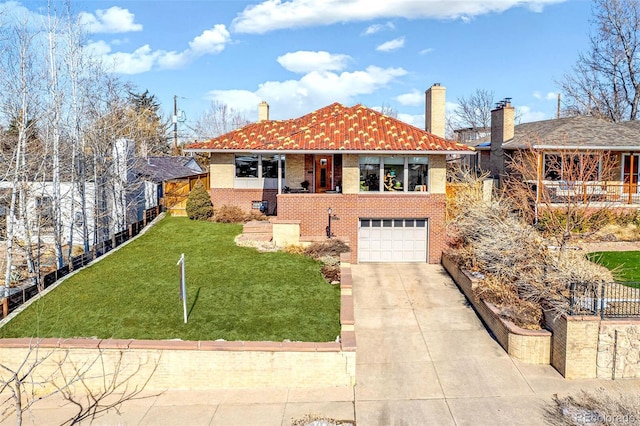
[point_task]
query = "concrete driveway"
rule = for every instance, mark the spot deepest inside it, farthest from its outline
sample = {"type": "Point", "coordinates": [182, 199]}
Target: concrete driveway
{"type": "Point", "coordinates": [424, 357]}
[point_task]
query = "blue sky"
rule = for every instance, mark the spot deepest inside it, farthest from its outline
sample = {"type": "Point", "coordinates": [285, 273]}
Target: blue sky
{"type": "Point", "coordinates": [300, 55]}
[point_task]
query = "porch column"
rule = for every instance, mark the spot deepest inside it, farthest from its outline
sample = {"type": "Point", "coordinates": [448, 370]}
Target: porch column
{"type": "Point", "coordinates": [279, 174]}
{"type": "Point", "coordinates": [538, 177]}
{"type": "Point", "coordinates": [631, 175]}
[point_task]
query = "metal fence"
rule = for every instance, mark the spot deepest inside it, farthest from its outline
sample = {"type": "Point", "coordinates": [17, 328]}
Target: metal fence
{"type": "Point", "coordinates": [610, 300]}
{"type": "Point", "coordinates": [22, 293]}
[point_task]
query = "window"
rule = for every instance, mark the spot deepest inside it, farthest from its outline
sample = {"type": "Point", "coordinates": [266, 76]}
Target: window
{"type": "Point", "coordinates": [393, 173]}
{"type": "Point", "coordinates": [259, 166]}
{"type": "Point", "coordinates": [397, 173]}
{"type": "Point", "coordinates": [369, 173]}
{"type": "Point", "coordinates": [418, 173]}
{"type": "Point", "coordinates": [270, 166]}
{"type": "Point", "coordinates": [247, 166]}
{"type": "Point", "coordinates": [571, 167]}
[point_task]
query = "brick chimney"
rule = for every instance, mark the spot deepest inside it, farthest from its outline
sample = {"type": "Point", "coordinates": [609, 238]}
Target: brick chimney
{"type": "Point", "coordinates": [263, 111]}
{"type": "Point", "coordinates": [434, 110]}
{"type": "Point", "coordinates": [502, 130]}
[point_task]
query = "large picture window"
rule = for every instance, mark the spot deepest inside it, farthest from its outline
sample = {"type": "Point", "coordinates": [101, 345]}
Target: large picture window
{"type": "Point", "coordinates": [369, 173]}
{"type": "Point", "coordinates": [270, 166]}
{"type": "Point", "coordinates": [418, 168]}
{"type": "Point", "coordinates": [247, 166]}
{"type": "Point", "coordinates": [396, 173]}
{"type": "Point", "coordinates": [259, 166]}
{"type": "Point", "coordinates": [571, 167]}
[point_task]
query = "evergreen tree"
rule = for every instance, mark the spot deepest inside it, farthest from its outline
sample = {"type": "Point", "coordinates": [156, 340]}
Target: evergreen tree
{"type": "Point", "coordinates": [199, 206]}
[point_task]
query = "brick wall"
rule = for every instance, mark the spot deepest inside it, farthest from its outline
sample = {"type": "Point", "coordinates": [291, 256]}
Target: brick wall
{"type": "Point", "coordinates": [530, 346]}
{"type": "Point", "coordinates": [243, 197]}
{"type": "Point", "coordinates": [574, 345]}
{"type": "Point", "coordinates": [188, 365]}
{"type": "Point", "coordinates": [311, 210]}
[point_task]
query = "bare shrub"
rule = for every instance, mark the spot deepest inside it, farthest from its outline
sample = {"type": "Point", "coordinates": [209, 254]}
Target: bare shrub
{"type": "Point", "coordinates": [229, 214]}
{"type": "Point", "coordinates": [255, 215]}
{"type": "Point", "coordinates": [522, 273]}
{"type": "Point", "coordinates": [593, 408]}
{"type": "Point", "coordinates": [329, 247]}
{"type": "Point", "coordinates": [316, 420]}
{"type": "Point", "coordinates": [294, 249]}
{"type": "Point", "coordinates": [331, 272]}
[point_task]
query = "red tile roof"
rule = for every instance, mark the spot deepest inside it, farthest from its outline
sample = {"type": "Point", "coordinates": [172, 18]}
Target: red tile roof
{"type": "Point", "coordinates": [331, 128]}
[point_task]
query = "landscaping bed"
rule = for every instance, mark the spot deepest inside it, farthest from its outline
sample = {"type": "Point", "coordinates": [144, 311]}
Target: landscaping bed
{"type": "Point", "coordinates": [233, 293]}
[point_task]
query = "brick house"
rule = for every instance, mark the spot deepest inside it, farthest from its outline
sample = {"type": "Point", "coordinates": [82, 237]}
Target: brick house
{"type": "Point", "coordinates": [578, 159]}
{"type": "Point", "coordinates": [380, 180]}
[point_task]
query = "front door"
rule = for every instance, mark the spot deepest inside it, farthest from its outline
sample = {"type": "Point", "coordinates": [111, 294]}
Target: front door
{"type": "Point", "coordinates": [630, 173]}
{"type": "Point", "coordinates": [324, 175]}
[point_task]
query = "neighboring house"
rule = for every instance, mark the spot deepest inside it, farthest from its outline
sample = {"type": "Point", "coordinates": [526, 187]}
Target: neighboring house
{"type": "Point", "coordinates": [559, 151]}
{"type": "Point", "coordinates": [380, 180]}
{"type": "Point", "coordinates": [169, 181]}
{"type": "Point", "coordinates": [118, 199]}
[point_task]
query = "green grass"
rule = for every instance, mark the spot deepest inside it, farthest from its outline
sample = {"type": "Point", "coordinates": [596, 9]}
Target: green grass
{"type": "Point", "coordinates": [233, 293]}
{"type": "Point", "coordinates": [624, 264]}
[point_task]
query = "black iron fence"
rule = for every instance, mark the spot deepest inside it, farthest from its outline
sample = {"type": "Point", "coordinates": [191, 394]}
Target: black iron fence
{"type": "Point", "coordinates": [609, 300]}
{"type": "Point", "coordinates": [26, 291]}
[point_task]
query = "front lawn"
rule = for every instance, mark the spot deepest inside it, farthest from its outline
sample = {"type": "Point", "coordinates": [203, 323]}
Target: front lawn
{"type": "Point", "coordinates": [625, 264]}
{"type": "Point", "coordinates": [233, 293]}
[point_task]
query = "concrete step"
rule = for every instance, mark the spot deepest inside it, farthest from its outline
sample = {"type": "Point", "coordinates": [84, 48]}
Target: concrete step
{"type": "Point", "coordinates": [255, 237]}
{"type": "Point", "coordinates": [257, 227]}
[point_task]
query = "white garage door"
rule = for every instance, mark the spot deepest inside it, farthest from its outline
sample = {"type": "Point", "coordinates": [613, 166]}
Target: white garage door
{"type": "Point", "coordinates": [392, 240]}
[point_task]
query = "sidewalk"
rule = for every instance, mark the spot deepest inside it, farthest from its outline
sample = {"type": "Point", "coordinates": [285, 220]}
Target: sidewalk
{"type": "Point", "coordinates": [248, 407]}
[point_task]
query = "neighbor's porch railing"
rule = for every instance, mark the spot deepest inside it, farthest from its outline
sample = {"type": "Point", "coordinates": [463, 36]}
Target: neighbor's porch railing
{"type": "Point", "coordinates": [610, 300]}
{"type": "Point", "coordinates": [589, 191]}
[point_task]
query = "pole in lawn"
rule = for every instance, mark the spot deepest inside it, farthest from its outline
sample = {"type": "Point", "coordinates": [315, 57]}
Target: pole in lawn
{"type": "Point", "coordinates": [183, 287]}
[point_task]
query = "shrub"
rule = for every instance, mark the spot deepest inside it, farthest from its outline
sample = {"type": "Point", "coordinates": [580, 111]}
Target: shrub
{"type": "Point", "coordinates": [255, 215]}
{"type": "Point", "coordinates": [230, 214]}
{"type": "Point", "coordinates": [330, 247]}
{"type": "Point", "coordinates": [294, 249]}
{"type": "Point", "coordinates": [199, 206]}
{"type": "Point", "coordinates": [597, 408]}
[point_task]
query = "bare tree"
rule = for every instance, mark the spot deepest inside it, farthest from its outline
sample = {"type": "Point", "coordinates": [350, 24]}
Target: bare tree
{"type": "Point", "coordinates": [91, 384]}
{"type": "Point", "coordinates": [605, 81]}
{"type": "Point", "coordinates": [564, 191]}
{"type": "Point", "coordinates": [217, 120]}
{"type": "Point", "coordinates": [474, 111]}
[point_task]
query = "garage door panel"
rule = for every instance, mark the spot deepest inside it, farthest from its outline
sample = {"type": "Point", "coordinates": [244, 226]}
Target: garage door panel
{"type": "Point", "coordinates": [392, 240]}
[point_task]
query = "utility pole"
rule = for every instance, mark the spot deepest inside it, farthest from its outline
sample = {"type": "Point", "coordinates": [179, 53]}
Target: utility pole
{"type": "Point", "coordinates": [175, 125]}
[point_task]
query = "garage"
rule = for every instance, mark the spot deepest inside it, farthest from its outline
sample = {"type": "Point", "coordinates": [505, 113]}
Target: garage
{"type": "Point", "coordinates": [392, 240]}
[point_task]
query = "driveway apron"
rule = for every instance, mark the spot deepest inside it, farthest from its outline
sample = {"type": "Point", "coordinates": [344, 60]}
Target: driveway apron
{"type": "Point", "coordinates": [424, 357]}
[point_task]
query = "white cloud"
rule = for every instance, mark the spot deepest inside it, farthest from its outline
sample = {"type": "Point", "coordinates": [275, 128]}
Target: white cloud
{"type": "Point", "coordinates": [390, 45]}
{"type": "Point", "coordinates": [375, 28]}
{"type": "Point", "coordinates": [550, 96]}
{"type": "Point", "coordinates": [526, 114]}
{"type": "Point", "coordinates": [427, 50]}
{"type": "Point", "coordinates": [414, 98]}
{"type": "Point", "coordinates": [273, 15]}
{"type": "Point", "coordinates": [304, 61]}
{"type": "Point", "coordinates": [112, 20]}
{"type": "Point", "coordinates": [413, 119]}
{"type": "Point", "coordinates": [210, 41]}
{"type": "Point", "coordinates": [292, 98]}
{"type": "Point", "coordinates": [144, 59]}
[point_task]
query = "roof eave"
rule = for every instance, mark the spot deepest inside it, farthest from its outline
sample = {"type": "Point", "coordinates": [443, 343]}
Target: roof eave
{"type": "Point", "coordinates": [589, 147]}
{"type": "Point", "coordinates": [332, 151]}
